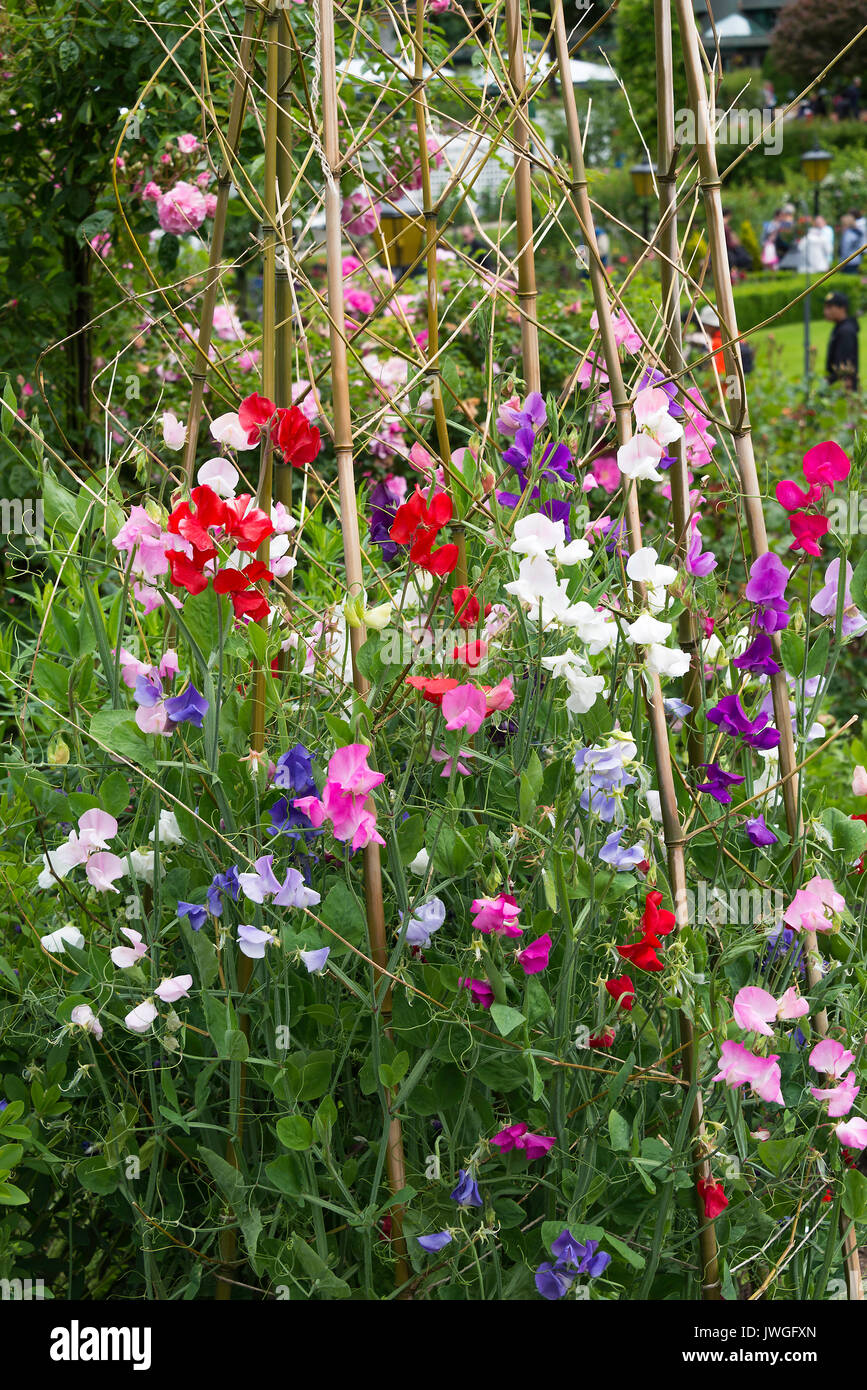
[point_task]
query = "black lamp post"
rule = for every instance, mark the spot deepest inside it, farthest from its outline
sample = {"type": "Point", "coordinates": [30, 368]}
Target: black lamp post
{"type": "Point", "coordinates": [642, 183]}
{"type": "Point", "coordinates": [815, 165]}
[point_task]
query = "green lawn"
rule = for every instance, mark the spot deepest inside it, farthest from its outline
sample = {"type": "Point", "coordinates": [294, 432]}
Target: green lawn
{"type": "Point", "coordinates": [784, 347]}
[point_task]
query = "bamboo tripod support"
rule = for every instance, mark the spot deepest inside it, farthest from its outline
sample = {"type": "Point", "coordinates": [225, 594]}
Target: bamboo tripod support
{"type": "Point", "coordinates": [218, 235]}
{"type": "Point", "coordinates": [527, 297]}
{"type": "Point", "coordinates": [670, 284]}
{"type": "Point", "coordinates": [741, 431]}
{"type": "Point", "coordinates": [343, 444]}
{"type": "Point", "coordinates": [673, 831]}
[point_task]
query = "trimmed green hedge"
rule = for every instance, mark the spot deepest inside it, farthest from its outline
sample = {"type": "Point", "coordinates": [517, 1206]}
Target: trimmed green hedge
{"type": "Point", "coordinates": [756, 299]}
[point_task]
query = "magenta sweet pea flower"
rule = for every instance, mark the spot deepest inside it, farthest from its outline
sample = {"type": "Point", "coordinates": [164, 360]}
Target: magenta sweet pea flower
{"type": "Point", "coordinates": [534, 957]}
{"type": "Point", "coordinates": [348, 770]}
{"type": "Point", "coordinates": [755, 1008]}
{"type": "Point", "coordinates": [481, 991]}
{"type": "Point", "coordinates": [826, 464]}
{"type": "Point", "coordinates": [518, 1137]}
{"type": "Point", "coordinates": [498, 915]}
{"type": "Point", "coordinates": [464, 707]}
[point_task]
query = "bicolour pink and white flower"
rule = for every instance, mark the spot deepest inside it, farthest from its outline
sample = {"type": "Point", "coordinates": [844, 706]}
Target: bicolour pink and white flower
{"type": "Point", "coordinates": [740, 1067]}
{"type": "Point", "coordinates": [755, 1009]}
{"type": "Point", "coordinates": [831, 1057]}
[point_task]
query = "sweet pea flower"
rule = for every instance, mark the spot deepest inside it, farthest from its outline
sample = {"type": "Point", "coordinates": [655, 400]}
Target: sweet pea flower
{"type": "Point", "coordinates": [84, 1017]}
{"type": "Point", "coordinates": [260, 883]}
{"type": "Point", "coordinates": [518, 1137]}
{"type": "Point", "coordinates": [190, 707]}
{"type": "Point", "coordinates": [534, 958]}
{"type": "Point", "coordinates": [853, 1133]}
{"type": "Point", "coordinates": [227, 429]}
{"type": "Point", "coordinates": [174, 433]}
{"type": "Point", "coordinates": [174, 988]}
{"type": "Point", "coordinates": [826, 464]}
{"type": "Point", "coordinates": [739, 1066]}
{"type": "Point", "coordinates": [758, 833]}
{"type": "Point", "coordinates": [439, 1239]}
{"type": "Point", "coordinates": [221, 476]}
{"type": "Point", "coordinates": [825, 601]}
{"type": "Point", "coordinates": [348, 770]}
{"type": "Point", "coordinates": [807, 910]}
{"type": "Point", "coordinates": [713, 1196]}
{"type": "Point", "coordinates": [499, 914]}
{"type": "Point", "coordinates": [196, 915]}
{"type": "Point", "coordinates": [57, 941]}
{"type": "Point", "coordinates": [314, 961]}
{"type": "Point", "coordinates": [252, 941]}
{"type": "Point", "coordinates": [464, 707]}
{"type": "Point", "coordinates": [126, 956]}
{"type": "Point", "coordinates": [427, 918]}
{"type": "Point", "coordinates": [466, 1194]}
{"type": "Point", "coordinates": [622, 991]}
{"type": "Point", "coordinates": [481, 991]}
{"type": "Point", "coordinates": [103, 869]}
{"type": "Point", "coordinates": [638, 459]}
{"type": "Point", "coordinates": [831, 1057]}
{"type": "Point", "coordinates": [859, 781]}
{"type": "Point", "coordinates": [755, 1008]}
{"type": "Point", "coordinates": [841, 1098]}
{"type": "Point", "coordinates": [553, 1281]}
{"type": "Point", "coordinates": [139, 1019]}
{"type": "Point", "coordinates": [294, 892]}
{"type": "Point", "coordinates": [618, 856]}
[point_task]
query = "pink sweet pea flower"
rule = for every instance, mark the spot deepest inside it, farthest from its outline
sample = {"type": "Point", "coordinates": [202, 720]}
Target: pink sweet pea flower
{"type": "Point", "coordinates": [806, 912]}
{"type": "Point", "coordinates": [841, 1097]}
{"type": "Point", "coordinates": [853, 1133]}
{"type": "Point", "coordinates": [464, 707]}
{"type": "Point", "coordinates": [102, 869]}
{"type": "Point", "coordinates": [534, 957]}
{"type": "Point", "coordinates": [348, 770]}
{"type": "Point", "coordinates": [859, 781]}
{"type": "Point", "coordinates": [831, 1057]}
{"type": "Point", "coordinates": [174, 988]}
{"type": "Point", "coordinates": [499, 697]}
{"type": "Point", "coordinates": [312, 808]}
{"type": "Point", "coordinates": [126, 956]}
{"type": "Point", "coordinates": [738, 1066]}
{"type": "Point", "coordinates": [84, 1017]}
{"type": "Point", "coordinates": [755, 1008]}
{"type": "Point", "coordinates": [790, 496]}
{"type": "Point", "coordinates": [498, 915]}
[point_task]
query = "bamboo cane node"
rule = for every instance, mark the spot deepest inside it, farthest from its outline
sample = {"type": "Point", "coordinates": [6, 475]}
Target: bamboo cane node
{"type": "Point", "coordinates": [198, 376]}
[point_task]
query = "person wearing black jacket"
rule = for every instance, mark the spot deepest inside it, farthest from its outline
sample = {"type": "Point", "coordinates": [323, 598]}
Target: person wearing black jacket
{"type": "Point", "coordinates": [841, 363]}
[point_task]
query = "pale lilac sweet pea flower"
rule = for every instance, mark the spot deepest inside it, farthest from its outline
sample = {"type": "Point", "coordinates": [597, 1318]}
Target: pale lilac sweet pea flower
{"type": "Point", "coordinates": [315, 960]}
{"type": "Point", "coordinates": [825, 601]}
{"type": "Point", "coordinates": [252, 941]}
{"type": "Point", "coordinates": [174, 988]}
{"type": "Point", "coordinates": [294, 892]}
{"type": "Point", "coordinates": [126, 956]}
{"type": "Point", "coordinates": [618, 856]}
{"type": "Point", "coordinates": [427, 918]}
{"type": "Point", "coordinates": [261, 884]}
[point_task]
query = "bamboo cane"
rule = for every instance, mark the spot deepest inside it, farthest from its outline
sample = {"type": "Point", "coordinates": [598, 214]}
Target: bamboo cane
{"type": "Point", "coordinates": [433, 370]}
{"type": "Point", "coordinates": [741, 431]}
{"type": "Point", "coordinates": [670, 284]}
{"type": "Point", "coordinates": [228, 1241]}
{"type": "Point", "coordinates": [343, 445]}
{"type": "Point", "coordinates": [527, 296]}
{"type": "Point", "coordinates": [672, 829]}
{"type": "Point", "coordinates": [285, 324]}
{"type": "Point", "coordinates": [218, 235]}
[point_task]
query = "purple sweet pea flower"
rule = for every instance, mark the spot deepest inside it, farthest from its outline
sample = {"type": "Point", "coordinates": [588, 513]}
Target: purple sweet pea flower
{"type": "Point", "coordinates": [585, 1257]}
{"type": "Point", "coordinates": [765, 588]}
{"type": "Point", "coordinates": [383, 510]}
{"type": "Point", "coordinates": [196, 915]}
{"type": "Point", "coordinates": [466, 1194]}
{"type": "Point", "coordinates": [699, 562]}
{"type": "Point", "coordinates": [733, 719]}
{"type": "Point", "coordinates": [718, 783]}
{"type": "Point", "coordinates": [758, 657]}
{"type": "Point", "coordinates": [148, 690]}
{"type": "Point", "coordinates": [553, 1280]}
{"type": "Point", "coordinates": [427, 918]}
{"type": "Point", "coordinates": [603, 773]}
{"type": "Point", "coordinates": [187, 708]}
{"type": "Point", "coordinates": [435, 1242]}
{"type": "Point", "coordinates": [220, 884]}
{"type": "Point", "coordinates": [758, 833]}
{"type": "Point", "coordinates": [294, 772]}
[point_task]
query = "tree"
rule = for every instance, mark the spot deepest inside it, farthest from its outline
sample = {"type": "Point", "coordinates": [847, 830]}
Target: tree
{"type": "Point", "coordinates": [636, 65]}
{"type": "Point", "coordinates": [809, 34]}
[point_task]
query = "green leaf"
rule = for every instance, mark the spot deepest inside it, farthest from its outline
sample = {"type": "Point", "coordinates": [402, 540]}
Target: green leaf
{"type": "Point", "coordinates": [849, 837]}
{"type": "Point", "coordinates": [114, 793]}
{"type": "Point", "coordinates": [410, 837]}
{"type": "Point", "coordinates": [12, 1196]}
{"type": "Point", "coordinates": [529, 787]}
{"type": "Point", "coordinates": [96, 1175]}
{"type": "Point", "coordinates": [67, 54]}
{"type": "Point", "coordinates": [10, 1156]}
{"type": "Point", "coordinates": [235, 1047]}
{"type": "Point", "coordinates": [858, 587]}
{"type": "Point", "coordinates": [506, 1018]}
{"type": "Point", "coordinates": [855, 1195]}
{"type": "Point", "coordinates": [619, 1247]}
{"type": "Point", "coordinates": [287, 1175]}
{"type": "Point", "coordinates": [778, 1154]}
{"type": "Point", "coordinates": [167, 252]}
{"type": "Point", "coordinates": [226, 1176]}
{"type": "Point", "coordinates": [295, 1132]}
{"type": "Point", "coordinates": [619, 1131]}
{"type": "Point", "coordinates": [117, 731]}
{"type": "Point", "coordinates": [342, 911]}
{"type": "Point", "coordinates": [325, 1282]}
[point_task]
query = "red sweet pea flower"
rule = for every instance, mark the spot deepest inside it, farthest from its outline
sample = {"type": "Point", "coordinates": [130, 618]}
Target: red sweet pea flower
{"type": "Point", "coordinates": [621, 989]}
{"type": "Point", "coordinates": [826, 464]}
{"type": "Point", "coordinates": [655, 923]}
{"type": "Point", "coordinates": [656, 920]}
{"type": "Point", "coordinates": [417, 524]}
{"type": "Point", "coordinates": [297, 439]}
{"type": "Point", "coordinates": [252, 605]}
{"type": "Point", "coordinates": [440, 562]}
{"type": "Point", "coordinates": [185, 523]}
{"type": "Point", "coordinates": [247, 602]}
{"type": "Point", "coordinates": [253, 413]}
{"type": "Point", "coordinates": [603, 1039]}
{"type": "Point", "coordinates": [466, 606]}
{"type": "Point", "coordinates": [248, 528]}
{"type": "Point", "coordinates": [714, 1198]}
{"type": "Point", "coordinates": [807, 529]}
{"type": "Point", "coordinates": [210, 509]}
{"type": "Point", "coordinates": [471, 653]}
{"type": "Point", "coordinates": [433, 688]}
{"type": "Point", "coordinates": [185, 574]}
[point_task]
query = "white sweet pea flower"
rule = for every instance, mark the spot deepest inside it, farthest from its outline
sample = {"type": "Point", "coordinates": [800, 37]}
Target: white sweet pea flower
{"type": "Point", "coordinates": [643, 567]}
{"type": "Point", "coordinates": [667, 661]}
{"type": "Point", "coordinates": [57, 941]}
{"type": "Point", "coordinates": [597, 631]}
{"type": "Point", "coordinates": [573, 553]}
{"type": "Point", "coordinates": [84, 1017]}
{"type": "Point", "coordinates": [420, 864]}
{"type": "Point", "coordinates": [170, 831]}
{"type": "Point", "coordinates": [647, 629]}
{"type": "Point", "coordinates": [583, 691]}
{"type": "Point", "coordinates": [538, 587]}
{"type": "Point", "coordinates": [174, 433]}
{"type": "Point", "coordinates": [638, 458]}
{"type": "Point", "coordinates": [226, 429]}
{"type": "Point", "coordinates": [139, 1019]}
{"type": "Point", "coordinates": [536, 535]}
{"type": "Point", "coordinates": [142, 861]}
{"type": "Point", "coordinates": [220, 475]}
